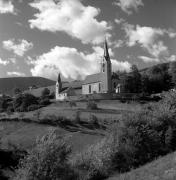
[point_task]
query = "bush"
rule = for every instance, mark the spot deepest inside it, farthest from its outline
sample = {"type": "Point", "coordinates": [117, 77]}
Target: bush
{"type": "Point", "coordinates": [48, 160]}
{"type": "Point", "coordinates": [92, 105]}
{"type": "Point", "coordinates": [72, 104]}
{"type": "Point", "coordinates": [96, 161]}
{"type": "Point", "coordinates": [45, 92]}
{"type": "Point", "coordinates": [94, 120]}
{"type": "Point", "coordinates": [44, 101]}
{"type": "Point", "coordinates": [33, 107]}
{"type": "Point", "coordinates": [4, 103]}
{"type": "Point", "coordinates": [23, 101]}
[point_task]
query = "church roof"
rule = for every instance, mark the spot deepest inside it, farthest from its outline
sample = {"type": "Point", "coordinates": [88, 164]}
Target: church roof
{"type": "Point", "coordinates": [93, 78]}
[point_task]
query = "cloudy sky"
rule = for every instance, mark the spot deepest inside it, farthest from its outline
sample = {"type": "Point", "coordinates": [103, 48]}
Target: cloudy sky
{"type": "Point", "coordinates": [44, 37]}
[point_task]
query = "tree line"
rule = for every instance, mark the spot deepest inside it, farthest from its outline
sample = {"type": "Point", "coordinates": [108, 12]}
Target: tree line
{"type": "Point", "coordinates": [156, 79]}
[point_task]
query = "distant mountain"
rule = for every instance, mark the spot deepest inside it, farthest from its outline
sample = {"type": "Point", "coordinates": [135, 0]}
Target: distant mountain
{"type": "Point", "coordinates": [7, 85]}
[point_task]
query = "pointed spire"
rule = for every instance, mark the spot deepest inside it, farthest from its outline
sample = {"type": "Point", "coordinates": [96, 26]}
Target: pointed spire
{"type": "Point", "coordinates": [59, 78]}
{"type": "Point", "coordinates": [106, 53]}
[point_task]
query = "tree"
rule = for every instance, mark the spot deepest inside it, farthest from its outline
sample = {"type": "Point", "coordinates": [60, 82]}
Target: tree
{"type": "Point", "coordinates": [132, 81]}
{"type": "Point", "coordinates": [48, 160]}
{"type": "Point", "coordinates": [17, 91]}
{"type": "Point", "coordinates": [172, 72]}
{"type": "Point", "coordinates": [145, 83]}
{"type": "Point", "coordinates": [23, 101]}
{"type": "Point", "coordinates": [45, 92]}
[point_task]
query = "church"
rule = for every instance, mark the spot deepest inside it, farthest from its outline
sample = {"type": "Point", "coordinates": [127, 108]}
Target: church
{"type": "Point", "coordinates": [101, 82]}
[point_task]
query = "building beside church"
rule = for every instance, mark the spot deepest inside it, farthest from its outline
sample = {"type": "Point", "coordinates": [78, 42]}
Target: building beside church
{"type": "Point", "coordinates": [101, 82]}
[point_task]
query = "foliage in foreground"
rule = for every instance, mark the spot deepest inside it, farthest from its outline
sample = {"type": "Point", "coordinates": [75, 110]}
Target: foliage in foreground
{"type": "Point", "coordinates": [137, 139]}
{"type": "Point", "coordinates": [47, 161]}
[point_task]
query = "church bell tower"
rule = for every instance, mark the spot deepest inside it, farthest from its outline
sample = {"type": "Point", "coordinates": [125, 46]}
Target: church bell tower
{"type": "Point", "coordinates": [106, 69]}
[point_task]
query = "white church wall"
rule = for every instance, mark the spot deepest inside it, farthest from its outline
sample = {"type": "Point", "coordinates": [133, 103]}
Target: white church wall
{"type": "Point", "coordinates": [91, 88]}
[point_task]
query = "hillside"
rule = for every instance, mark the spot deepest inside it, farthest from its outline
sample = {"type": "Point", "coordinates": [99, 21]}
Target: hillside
{"type": "Point", "coordinates": [161, 169]}
{"type": "Point", "coordinates": [8, 84]}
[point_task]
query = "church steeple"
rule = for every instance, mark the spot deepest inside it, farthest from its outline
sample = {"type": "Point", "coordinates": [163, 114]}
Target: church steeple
{"type": "Point", "coordinates": [59, 78]}
{"type": "Point", "coordinates": [59, 84]}
{"type": "Point", "coordinates": [106, 52]}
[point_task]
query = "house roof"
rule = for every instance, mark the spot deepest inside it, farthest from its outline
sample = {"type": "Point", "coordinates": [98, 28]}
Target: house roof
{"type": "Point", "coordinates": [73, 84]}
{"type": "Point", "coordinates": [66, 90]}
{"type": "Point", "coordinates": [93, 78]}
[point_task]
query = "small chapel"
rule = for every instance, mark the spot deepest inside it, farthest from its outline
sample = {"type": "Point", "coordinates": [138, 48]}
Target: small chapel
{"type": "Point", "coordinates": [101, 82]}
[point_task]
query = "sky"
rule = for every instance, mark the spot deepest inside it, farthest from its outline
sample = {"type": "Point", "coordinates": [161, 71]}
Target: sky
{"type": "Point", "coordinates": [47, 37]}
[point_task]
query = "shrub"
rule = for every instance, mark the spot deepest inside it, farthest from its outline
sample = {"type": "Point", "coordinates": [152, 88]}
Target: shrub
{"type": "Point", "coordinates": [33, 107]}
{"type": "Point", "coordinates": [4, 103]}
{"type": "Point", "coordinates": [45, 92]}
{"type": "Point", "coordinates": [52, 95]}
{"type": "Point", "coordinates": [44, 101]}
{"type": "Point", "coordinates": [96, 161]}
{"type": "Point", "coordinates": [77, 118]}
{"type": "Point", "coordinates": [48, 160]}
{"type": "Point", "coordinates": [10, 108]}
{"type": "Point", "coordinates": [23, 101]}
{"type": "Point", "coordinates": [92, 105]}
{"type": "Point", "coordinates": [72, 104]}
{"type": "Point", "coordinates": [94, 120]}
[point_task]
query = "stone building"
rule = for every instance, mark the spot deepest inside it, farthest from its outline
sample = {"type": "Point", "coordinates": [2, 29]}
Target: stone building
{"type": "Point", "coordinates": [102, 82]}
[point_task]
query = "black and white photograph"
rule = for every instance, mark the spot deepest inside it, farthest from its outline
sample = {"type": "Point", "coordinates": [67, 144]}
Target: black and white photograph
{"type": "Point", "coordinates": [87, 89]}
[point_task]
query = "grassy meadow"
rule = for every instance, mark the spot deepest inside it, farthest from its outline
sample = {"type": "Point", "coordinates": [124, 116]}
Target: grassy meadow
{"type": "Point", "coordinates": [24, 134]}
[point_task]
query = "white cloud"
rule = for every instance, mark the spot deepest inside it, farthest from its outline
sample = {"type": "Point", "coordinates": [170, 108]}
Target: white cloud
{"type": "Point", "coordinates": [71, 63]}
{"type": "Point", "coordinates": [129, 5]}
{"type": "Point", "coordinates": [171, 33]}
{"type": "Point", "coordinates": [120, 65]}
{"type": "Point", "coordinates": [119, 43]}
{"type": "Point", "coordinates": [147, 38]}
{"type": "Point", "coordinates": [168, 58]}
{"type": "Point", "coordinates": [172, 58]}
{"type": "Point", "coordinates": [6, 6]}
{"type": "Point", "coordinates": [18, 48]}
{"type": "Point", "coordinates": [15, 74]}
{"type": "Point", "coordinates": [148, 59]}
{"type": "Point", "coordinates": [119, 21]}
{"type": "Point", "coordinates": [3, 62]}
{"type": "Point", "coordinates": [72, 17]}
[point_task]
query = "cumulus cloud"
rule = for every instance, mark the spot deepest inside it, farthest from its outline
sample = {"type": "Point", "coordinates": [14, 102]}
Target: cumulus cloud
{"type": "Point", "coordinates": [71, 17]}
{"type": "Point", "coordinates": [147, 38]}
{"type": "Point", "coordinates": [17, 48]}
{"type": "Point", "coordinates": [3, 62]}
{"type": "Point", "coordinates": [119, 21]}
{"type": "Point", "coordinates": [15, 73]}
{"type": "Point", "coordinates": [129, 5]}
{"type": "Point", "coordinates": [6, 6]}
{"type": "Point", "coordinates": [148, 59]}
{"type": "Point", "coordinates": [171, 58]}
{"type": "Point", "coordinates": [71, 63]}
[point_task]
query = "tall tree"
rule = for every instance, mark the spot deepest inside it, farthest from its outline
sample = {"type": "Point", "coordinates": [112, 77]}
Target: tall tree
{"type": "Point", "coordinates": [172, 72]}
{"type": "Point", "coordinates": [136, 79]}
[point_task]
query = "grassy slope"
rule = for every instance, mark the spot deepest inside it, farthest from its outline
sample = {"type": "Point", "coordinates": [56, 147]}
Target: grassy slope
{"type": "Point", "coordinates": [24, 135]}
{"type": "Point", "coordinates": [163, 168]}
{"type": "Point", "coordinates": [8, 84]}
